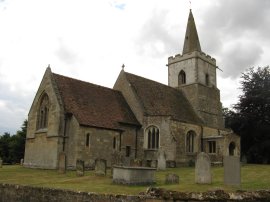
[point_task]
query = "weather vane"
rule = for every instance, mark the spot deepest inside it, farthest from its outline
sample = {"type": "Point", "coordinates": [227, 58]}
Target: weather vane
{"type": "Point", "coordinates": [190, 4]}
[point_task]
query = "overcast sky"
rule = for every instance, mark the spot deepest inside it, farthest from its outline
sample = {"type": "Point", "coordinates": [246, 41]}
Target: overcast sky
{"type": "Point", "coordinates": [91, 39]}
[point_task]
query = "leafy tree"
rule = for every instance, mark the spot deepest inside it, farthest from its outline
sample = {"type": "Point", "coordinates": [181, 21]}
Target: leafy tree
{"type": "Point", "coordinates": [251, 115]}
{"type": "Point", "coordinates": [12, 147]}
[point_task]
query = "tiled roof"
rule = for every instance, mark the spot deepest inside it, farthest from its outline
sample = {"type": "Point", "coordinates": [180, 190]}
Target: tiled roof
{"type": "Point", "coordinates": [94, 105]}
{"type": "Point", "coordinates": [161, 100]}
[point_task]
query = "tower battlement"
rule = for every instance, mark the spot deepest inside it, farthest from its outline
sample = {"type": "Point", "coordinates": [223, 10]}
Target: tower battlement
{"type": "Point", "coordinates": [202, 55]}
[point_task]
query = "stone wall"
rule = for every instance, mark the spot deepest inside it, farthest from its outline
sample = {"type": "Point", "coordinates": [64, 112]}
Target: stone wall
{"type": "Point", "coordinates": [17, 193]}
{"type": "Point", "coordinates": [44, 142]}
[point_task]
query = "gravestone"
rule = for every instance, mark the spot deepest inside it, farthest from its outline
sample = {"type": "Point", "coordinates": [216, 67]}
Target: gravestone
{"type": "Point", "coordinates": [80, 168]}
{"type": "Point", "coordinates": [62, 163]}
{"type": "Point", "coordinates": [172, 178]}
{"type": "Point", "coordinates": [203, 169]}
{"type": "Point", "coordinates": [232, 170]}
{"type": "Point", "coordinates": [21, 162]}
{"type": "Point", "coordinates": [161, 162]}
{"type": "Point", "coordinates": [100, 167]}
{"type": "Point", "coordinates": [1, 163]}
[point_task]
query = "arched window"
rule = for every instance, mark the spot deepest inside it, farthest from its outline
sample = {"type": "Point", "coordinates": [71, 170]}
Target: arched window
{"type": "Point", "coordinates": [152, 133]}
{"type": "Point", "coordinates": [190, 141]}
{"type": "Point", "coordinates": [181, 78]}
{"type": "Point", "coordinates": [43, 112]}
{"type": "Point", "coordinates": [231, 148]}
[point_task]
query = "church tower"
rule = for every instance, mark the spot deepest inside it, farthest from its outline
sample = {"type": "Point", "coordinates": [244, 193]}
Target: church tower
{"type": "Point", "coordinates": [194, 73]}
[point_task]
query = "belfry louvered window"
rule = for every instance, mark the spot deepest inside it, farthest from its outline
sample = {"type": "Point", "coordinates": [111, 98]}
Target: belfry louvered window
{"type": "Point", "coordinates": [43, 112]}
{"type": "Point", "coordinates": [152, 133]}
{"type": "Point", "coordinates": [181, 78]}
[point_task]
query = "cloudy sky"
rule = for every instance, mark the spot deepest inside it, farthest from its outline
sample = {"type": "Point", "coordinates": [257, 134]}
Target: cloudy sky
{"type": "Point", "coordinates": [91, 39]}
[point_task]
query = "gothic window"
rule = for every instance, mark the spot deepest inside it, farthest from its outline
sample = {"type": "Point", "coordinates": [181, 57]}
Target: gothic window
{"type": "Point", "coordinates": [190, 141]}
{"type": "Point", "coordinates": [207, 79]}
{"type": "Point", "coordinates": [231, 148]}
{"type": "Point", "coordinates": [181, 78]}
{"type": "Point", "coordinates": [152, 134]}
{"type": "Point", "coordinates": [212, 147]}
{"type": "Point", "coordinates": [87, 140]}
{"type": "Point", "coordinates": [43, 112]}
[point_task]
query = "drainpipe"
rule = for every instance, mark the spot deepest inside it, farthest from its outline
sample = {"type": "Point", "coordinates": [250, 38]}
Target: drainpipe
{"type": "Point", "coordinates": [67, 115]}
{"type": "Point", "coordinates": [201, 138]}
{"type": "Point", "coordinates": [136, 142]}
{"type": "Point", "coordinates": [120, 141]}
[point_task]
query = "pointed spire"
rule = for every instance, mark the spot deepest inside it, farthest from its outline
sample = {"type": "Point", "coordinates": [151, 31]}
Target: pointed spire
{"type": "Point", "coordinates": [191, 42]}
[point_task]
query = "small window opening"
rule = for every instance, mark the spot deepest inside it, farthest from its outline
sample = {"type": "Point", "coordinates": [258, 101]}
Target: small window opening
{"type": "Point", "coordinates": [128, 151]}
{"type": "Point", "coordinates": [212, 147]}
{"type": "Point", "coordinates": [87, 140]}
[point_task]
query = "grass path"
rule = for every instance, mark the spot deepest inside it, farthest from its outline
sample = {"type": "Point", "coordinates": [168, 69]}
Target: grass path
{"type": "Point", "coordinates": [254, 177]}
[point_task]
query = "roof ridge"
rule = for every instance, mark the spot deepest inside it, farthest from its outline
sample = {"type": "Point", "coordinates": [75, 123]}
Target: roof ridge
{"type": "Point", "coordinates": [167, 86]}
{"type": "Point", "coordinates": [86, 82]}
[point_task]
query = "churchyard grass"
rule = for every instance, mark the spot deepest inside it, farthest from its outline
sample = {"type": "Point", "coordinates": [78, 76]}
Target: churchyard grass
{"type": "Point", "coordinates": [254, 177]}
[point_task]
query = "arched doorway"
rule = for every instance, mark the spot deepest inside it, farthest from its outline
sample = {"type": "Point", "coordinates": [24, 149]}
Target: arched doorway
{"type": "Point", "coordinates": [231, 148]}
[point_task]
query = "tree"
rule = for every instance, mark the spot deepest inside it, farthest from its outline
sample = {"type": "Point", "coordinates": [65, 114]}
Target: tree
{"type": "Point", "coordinates": [12, 147]}
{"type": "Point", "coordinates": [251, 118]}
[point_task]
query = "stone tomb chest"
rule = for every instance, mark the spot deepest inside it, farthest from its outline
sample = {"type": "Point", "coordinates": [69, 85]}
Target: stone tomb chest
{"type": "Point", "coordinates": [133, 175]}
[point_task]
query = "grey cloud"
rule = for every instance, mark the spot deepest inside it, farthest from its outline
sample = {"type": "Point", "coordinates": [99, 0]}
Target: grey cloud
{"type": "Point", "coordinates": [16, 106]}
{"type": "Point", "coordinates": [239, 57]}
{"type": "Point", "coordinates": [243, 23]}
{"type": "Point", "coordinates": [65, 54]}
{"type": "Point", "coordinates": [155, 32]}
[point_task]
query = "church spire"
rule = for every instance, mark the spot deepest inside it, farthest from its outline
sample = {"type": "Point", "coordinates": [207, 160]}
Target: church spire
{"type": "Point", "coordinates": [191, 42]}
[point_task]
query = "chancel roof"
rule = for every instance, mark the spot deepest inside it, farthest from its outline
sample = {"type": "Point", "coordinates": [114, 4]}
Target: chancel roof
{"type": "Point", "coordinates": [94, 105]}
{"type": "Point", "coordinates": [161, 100]}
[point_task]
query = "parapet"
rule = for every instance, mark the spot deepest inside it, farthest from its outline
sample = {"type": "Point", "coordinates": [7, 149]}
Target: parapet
{"type": "Point", "coordinates": [202, 55]}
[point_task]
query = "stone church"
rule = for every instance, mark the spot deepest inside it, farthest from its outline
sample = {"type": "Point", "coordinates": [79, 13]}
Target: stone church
{"type": "Point", "coordinates": [137, 120]}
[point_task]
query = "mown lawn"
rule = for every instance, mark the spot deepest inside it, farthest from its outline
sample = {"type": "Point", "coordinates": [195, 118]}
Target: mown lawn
{"type": "Point", "coordinates": [254, 177]}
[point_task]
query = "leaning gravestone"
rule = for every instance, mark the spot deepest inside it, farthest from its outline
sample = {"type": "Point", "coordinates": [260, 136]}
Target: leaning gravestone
{"type": "Point", "coordinates": [1, 163]}
{"type": "Point", "coordinates": [203, 169]}
{"type": "Point", "coordinates": [21, 162]}
{"type": "Point", "coordinates": [100, 167]}
{"type": "Point", "coordinates": [172, 178]}
{"type": "Point", "coordinates": [161, 162]}
{"type": "Point", "coordinates": [232, 170]}
{"type": "Point", "coordinates": [62, 163]}
{"type": "Point", "coordinates": [80, 168]}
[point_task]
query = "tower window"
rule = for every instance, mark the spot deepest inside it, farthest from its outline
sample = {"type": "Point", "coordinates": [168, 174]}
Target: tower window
{"type": "Point", "coordinates": [152, 134]}
{"type": "Point", "coordinates": [43, 112]}
{"type": "Point", "coordinates": [207, 79]}
{"type": "Point", "coordinates": [190, 141]}
{"type": "Point", "coordinates": [181, 78]}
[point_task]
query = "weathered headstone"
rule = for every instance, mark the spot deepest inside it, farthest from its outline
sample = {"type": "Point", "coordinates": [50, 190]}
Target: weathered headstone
{"type": "Point", "coordinates": [161, 162]}
{"type": "Point", "coordinates": [1, 163]}
{"type": "Point", "coordinates": [232, 170]}
{"type": "Point", "coordinates": [80, 168]}
{"type": "Point", "coordinates": [100, 167]}
{"type": "Point", "coordinates": [21, 162]}
{"type": "Point", "coordinates": [172, 178]}
{"type": "Point", "coordinates": [62, 163]}
{"type": "Point", "coordinates": [203, 169]}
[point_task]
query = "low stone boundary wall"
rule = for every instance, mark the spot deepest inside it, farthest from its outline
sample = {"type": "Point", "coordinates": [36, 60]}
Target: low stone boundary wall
{"type": "Point", "coordinates": [18, 193]}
